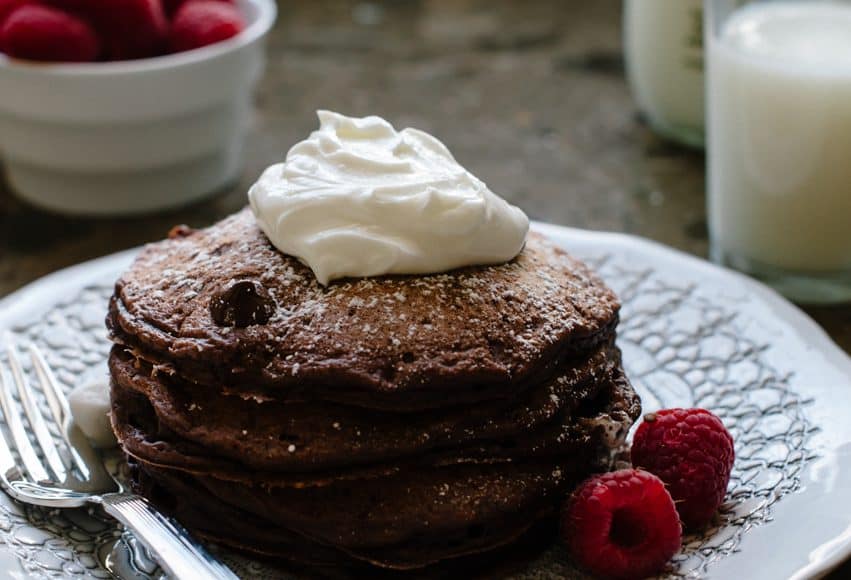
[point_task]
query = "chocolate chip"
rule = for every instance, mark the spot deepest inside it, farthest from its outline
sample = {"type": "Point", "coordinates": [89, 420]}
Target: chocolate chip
{"type": "Point", "coordinates": [179, 231]}
{"type": "Point", "coordinates": [242, 304]}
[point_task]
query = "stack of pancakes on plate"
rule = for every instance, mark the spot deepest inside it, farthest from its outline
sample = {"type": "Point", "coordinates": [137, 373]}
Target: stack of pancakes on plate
{"type": "Point", "coordinates": [397, 421]}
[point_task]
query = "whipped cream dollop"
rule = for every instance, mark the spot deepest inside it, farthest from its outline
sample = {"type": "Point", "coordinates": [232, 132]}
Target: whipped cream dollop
{"type": "Point", "coordinates": [358, 198]}
{"type": "Point", "coordinates": [89, 403]}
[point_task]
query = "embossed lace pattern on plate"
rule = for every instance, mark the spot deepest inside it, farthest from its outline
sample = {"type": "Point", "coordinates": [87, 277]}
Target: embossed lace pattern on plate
{"type": "Point", "coordinates": [681, 348]}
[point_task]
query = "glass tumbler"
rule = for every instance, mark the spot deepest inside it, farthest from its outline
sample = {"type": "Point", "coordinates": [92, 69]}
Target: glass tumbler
{"type": "Point", "coordinates": [779, 143]}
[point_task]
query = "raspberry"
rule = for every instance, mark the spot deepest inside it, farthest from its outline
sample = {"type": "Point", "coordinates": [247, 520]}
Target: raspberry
{"type": "Point", "coordinates": [36, 32]}
{"type": "Point", "coordinates": [9, 6]}
{"type": "Point", "coordinates": [171, 6]}
{"type": "Point", "coordinates": [129, 29]}
{"type": "Point", "coordinates": [622, 525]}
{"type": "Point", "coordinates": [692, 452]}
{"type": "Point", "coordinates": [202, 22]}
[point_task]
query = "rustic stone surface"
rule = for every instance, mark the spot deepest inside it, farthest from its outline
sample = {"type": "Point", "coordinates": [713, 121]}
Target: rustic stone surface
{"type": "Point", "coordinates": [530, 96]}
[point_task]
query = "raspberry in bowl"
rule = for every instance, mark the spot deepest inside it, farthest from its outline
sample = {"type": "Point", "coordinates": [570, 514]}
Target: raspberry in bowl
{"type": "Point", "coordinates": [139, 129]}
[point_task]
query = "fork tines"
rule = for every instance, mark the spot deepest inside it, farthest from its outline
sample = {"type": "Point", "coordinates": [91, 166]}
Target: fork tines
{"type": "Point", "coordinates": [14, 380]}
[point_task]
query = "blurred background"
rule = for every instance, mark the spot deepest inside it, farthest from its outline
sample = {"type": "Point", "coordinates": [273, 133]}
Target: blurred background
{"type": "Point", "coordinates": [529, 95]}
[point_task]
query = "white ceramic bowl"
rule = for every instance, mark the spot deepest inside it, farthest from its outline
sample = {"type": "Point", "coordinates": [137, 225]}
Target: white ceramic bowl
{"type": "Point", "coordinates": [130, 137]}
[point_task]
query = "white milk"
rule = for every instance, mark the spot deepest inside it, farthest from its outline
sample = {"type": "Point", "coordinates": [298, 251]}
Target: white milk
{"type": "Point", "coordinates": [663, 47]}
{"type": "Point", "coordinates": [780, 136]}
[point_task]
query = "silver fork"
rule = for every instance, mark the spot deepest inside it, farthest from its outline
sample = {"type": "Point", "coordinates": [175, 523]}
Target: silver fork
{"type": "Point", "coordinates": [73, 473]}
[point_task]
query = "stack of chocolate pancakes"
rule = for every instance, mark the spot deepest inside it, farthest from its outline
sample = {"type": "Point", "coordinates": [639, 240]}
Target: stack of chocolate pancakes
{"type": "Point", "coordinates": [398, 421]}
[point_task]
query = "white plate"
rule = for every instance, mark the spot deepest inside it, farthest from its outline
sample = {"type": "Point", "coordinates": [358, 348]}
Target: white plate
{"type": "Point", "coordinates": [692, 335]}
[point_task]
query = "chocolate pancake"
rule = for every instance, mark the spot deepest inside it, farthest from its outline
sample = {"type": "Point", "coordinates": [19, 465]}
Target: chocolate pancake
{"type": "Point", "coordinates": [407, 515]}
{"type": "Point", "coordinates": [229, 526]}
{"type": "Point", "coordinates": [398, 342]}
{"type": "Point", "coordinates": [400, 522]}
{"type": "Point", "coordinates": [396, 422]}
{"type": "Point", "coordinates": [290, 437]}
{"type": "Point", "coordinates": [583, 437]}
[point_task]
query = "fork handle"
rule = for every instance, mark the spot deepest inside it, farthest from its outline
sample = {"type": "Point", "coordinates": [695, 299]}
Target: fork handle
{"type": "Point", "coordinates": [171, 545]}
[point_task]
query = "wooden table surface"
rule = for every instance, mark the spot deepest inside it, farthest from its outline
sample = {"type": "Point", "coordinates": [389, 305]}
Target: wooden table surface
{"type": "Point", "coordinates": [529, 95]}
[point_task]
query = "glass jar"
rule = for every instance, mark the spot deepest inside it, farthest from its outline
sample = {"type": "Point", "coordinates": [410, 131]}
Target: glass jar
{"type": "Point", "coordinates": [663, 52]}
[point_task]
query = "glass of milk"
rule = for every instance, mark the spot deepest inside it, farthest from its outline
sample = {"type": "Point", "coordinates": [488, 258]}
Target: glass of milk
{"type": "Point", "coordinates": [663, 52]}
{"type": "Point", "coordinates": [779, 143]}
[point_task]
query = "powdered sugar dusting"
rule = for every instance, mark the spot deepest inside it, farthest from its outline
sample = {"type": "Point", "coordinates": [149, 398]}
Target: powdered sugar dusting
{"type": "Point", "coordinates": [498, 322]}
